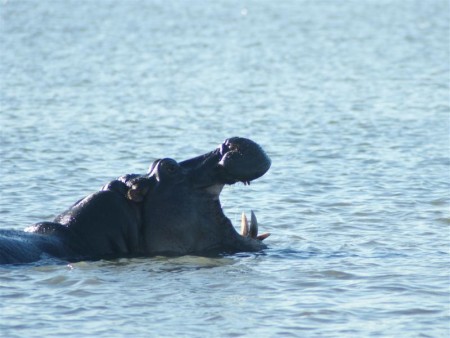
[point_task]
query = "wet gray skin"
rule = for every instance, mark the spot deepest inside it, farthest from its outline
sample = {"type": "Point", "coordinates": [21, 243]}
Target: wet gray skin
{"type": "Point", "coordinates": [174, 209]}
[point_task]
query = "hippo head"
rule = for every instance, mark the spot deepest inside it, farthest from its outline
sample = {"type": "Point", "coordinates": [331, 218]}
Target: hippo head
{"type": "Point", "coordinates": [180, 206]}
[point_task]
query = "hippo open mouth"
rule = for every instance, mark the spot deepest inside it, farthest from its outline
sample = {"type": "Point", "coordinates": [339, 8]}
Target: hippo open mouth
{"type": "Point", "coordinates": [202, 179]}
{"type": "Point", "coordinates": [235, 160]}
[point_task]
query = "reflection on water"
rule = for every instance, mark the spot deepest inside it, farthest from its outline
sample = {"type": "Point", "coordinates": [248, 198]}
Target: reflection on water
{"type": "Point", "coordinates": [350, 100]}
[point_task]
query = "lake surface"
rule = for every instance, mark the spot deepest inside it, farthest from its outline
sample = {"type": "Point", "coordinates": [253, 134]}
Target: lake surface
{"type": "Point", "coordinates": [349, 98]}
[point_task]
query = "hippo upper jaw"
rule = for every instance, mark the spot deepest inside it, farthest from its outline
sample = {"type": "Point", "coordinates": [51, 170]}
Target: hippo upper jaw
{"type": "Point", "coordinates": [235, 160]}
{"type": "Point", "coordinates": [242, 161]}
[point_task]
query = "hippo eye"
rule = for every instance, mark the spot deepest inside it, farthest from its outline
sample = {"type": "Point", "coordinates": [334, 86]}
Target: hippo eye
{"type": "Point", "coordinates": [170, 166]}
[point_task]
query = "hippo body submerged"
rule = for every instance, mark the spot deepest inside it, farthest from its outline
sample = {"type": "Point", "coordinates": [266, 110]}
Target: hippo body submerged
{"type": "Point", "coordinates": [174, 209]}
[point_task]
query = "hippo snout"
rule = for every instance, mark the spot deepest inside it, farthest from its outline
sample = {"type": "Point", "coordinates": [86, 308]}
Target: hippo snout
{"type": "Point", "coordinates": [242, 160]}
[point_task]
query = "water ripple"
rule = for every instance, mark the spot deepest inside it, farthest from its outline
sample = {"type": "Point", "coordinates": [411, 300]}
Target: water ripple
{"type": "Point", "coordinates": [342, 95]}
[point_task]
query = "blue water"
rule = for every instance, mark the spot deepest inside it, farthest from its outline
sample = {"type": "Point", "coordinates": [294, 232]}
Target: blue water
{"type": "Point", "coordinates": [349, 98]}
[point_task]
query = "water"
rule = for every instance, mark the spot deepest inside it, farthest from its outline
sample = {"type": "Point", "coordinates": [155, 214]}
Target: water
{"type": "Point", "coordinates": [351, 101]}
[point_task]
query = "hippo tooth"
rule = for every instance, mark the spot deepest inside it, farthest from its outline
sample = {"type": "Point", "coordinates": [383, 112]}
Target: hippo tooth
{"type": "Point", "coordinates": [244, 225]}
{"type": "Point", "coordinates": [253, 226]}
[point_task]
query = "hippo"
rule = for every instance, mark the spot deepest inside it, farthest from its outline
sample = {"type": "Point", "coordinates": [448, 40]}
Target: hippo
{"type": "Point", "coordinates": [173, 209]}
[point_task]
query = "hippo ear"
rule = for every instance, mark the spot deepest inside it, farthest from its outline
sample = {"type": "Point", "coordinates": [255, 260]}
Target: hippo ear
{"type": "Point", "coordinates": [135, 194]}
{"type": "Point", "coordinates": [139, 188]}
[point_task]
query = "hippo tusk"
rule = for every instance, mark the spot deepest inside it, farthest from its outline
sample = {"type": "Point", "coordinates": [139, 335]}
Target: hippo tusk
{"type": "Point", "coordinates": [252, 229]}
{"type": "Point", "coordinates": [244, 225]}
{"type": "Point", "coordinates": [253, 225]}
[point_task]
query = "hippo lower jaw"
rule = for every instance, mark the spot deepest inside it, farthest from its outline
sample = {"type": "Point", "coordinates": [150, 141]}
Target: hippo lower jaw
{"type": "Point", "coordinates": [249, 231]}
